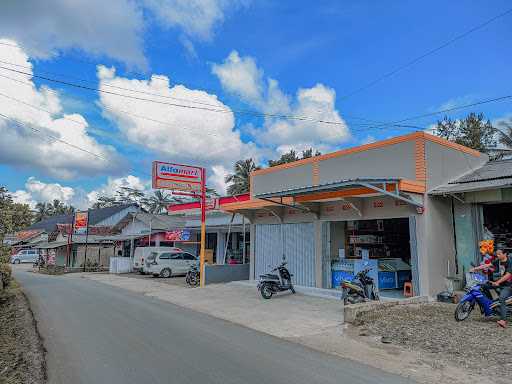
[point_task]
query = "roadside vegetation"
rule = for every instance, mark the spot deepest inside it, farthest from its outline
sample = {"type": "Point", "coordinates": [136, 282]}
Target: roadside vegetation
{"type": "Point", "coordinates": [22, 357]}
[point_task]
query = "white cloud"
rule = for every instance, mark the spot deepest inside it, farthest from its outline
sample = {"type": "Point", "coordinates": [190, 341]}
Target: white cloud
{"type": "Point", "coordinates": [21, 146]}
{"type": "Point", "coordinates": [302, 129]}
{"type": "Point", "coordinates": [197, 18]}
{"type": "Point", "coordinates": [216, 180]}
{"type": "Point", "coordinates": [44, 28]}
{"type": "Point", "coordinates": [176, 133]}
{"type": "Point", "coordinates": [115, 184]}
{"type": "Point", "coordinates": [241, 76]}
{"type": "Point", "coordinates": [38, 191]}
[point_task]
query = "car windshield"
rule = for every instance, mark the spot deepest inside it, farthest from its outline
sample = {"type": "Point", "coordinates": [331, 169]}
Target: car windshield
{"type": "Point", "coordinates": [152, 256]}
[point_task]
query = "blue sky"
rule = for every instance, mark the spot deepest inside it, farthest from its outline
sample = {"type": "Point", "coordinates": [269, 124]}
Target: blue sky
{"type": "Point", "coordinates": [232, 50]}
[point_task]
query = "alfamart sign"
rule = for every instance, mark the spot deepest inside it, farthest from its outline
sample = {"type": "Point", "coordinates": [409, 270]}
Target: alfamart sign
{"type": "Point", "coordinates": [177, 177]}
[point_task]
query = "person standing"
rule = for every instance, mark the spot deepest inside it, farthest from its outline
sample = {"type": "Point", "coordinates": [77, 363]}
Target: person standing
{"type": "Point", "coordinates": [503, 265]}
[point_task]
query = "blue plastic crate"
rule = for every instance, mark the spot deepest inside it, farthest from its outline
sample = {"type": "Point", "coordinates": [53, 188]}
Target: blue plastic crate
{"type": "Point", "coordinates": [339, 276]}
{"type": "Point", "coordinates": [387, 280]}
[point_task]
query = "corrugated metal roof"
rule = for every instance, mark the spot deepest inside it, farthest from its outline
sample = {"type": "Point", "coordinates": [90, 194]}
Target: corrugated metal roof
{"type": "Point", "coordinates": [95, 216]}
{"type": "Point", "coordinates": [489, 171]}
{"type": "Point", "coordinates": [331, 186]}
{"type": "Point", "coordinates": [473, 186]}
{"type": "Point", "coordinates": [492, 175]}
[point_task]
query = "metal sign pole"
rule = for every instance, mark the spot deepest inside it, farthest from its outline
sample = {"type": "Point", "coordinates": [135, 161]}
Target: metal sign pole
{"type": "Point", "coordinates": [203, 225]}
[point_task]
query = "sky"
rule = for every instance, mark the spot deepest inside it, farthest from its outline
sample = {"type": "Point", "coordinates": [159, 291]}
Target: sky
{"type": "Point", "coordinates": [91, 92]}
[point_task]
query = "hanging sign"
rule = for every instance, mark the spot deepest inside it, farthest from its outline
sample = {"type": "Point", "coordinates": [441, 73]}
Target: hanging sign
{"type": "Point", "coordinates": [177, 177]}
{"type": "Point", "coordinates": [178, 235]}
{"type": "Point", "coordinates": [80, 222]}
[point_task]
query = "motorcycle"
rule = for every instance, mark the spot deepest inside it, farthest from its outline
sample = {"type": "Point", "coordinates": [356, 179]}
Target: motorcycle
{"type": "Point", "coordinates": [271, 283]}
{"type": "Point", "coordinates": [192, 278]}
{"type": "Point", "coordinates": [360, 289]}
{"type": "Point", "coordinates": [475, 294]}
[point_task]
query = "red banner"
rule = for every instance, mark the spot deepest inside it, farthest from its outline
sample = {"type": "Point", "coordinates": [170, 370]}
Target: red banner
{"type": "Point", "coordinates": [80, 222]}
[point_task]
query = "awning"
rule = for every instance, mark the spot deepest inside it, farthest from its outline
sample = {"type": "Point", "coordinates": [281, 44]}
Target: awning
{"type": "Point", "coordinates": [380, 186]}
{"type": "Point", "coordinates": [473, 186]}
{"type": "Point", "coordinates": [52, 245]}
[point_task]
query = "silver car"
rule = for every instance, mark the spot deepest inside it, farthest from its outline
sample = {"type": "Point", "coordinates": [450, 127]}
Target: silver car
{"type": "Point", "coordinates": [25, 256]}
{"type": "Point", "coordinates": [169, 263]}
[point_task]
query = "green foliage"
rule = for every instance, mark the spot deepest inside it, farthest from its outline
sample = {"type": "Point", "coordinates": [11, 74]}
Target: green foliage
{"type": "Point", "coordinates": [5, 275]}
{"type": "Point", "coordinates": [239, 180]}
{"type": "Point", "coordinates": [5, 254]}
{"type": "Point", "coordinates": [55, 208]}
{"type": "Point", "coordinates": [292, 156]}
{"type": "Point", "coordinates": [13, 216]}
{"type": "Point", "coordinates": [474, 131]}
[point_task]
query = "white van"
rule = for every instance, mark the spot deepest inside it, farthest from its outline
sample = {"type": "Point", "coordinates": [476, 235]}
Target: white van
{"type": "Point", "coordinates": [141, 254]}
{"type": "Point", "coordinates": [170, 262]}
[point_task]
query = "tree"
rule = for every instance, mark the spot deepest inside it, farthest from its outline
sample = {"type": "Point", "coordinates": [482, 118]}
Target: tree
{"type": "Point", "coordinates": [291, 156]}
{"type": "Point", "coordinates": [104, 202]}
{"type": "Point", "coordinates": [307, 153]}
{"type": "Point", "coordinates": [473, 132]}
{"type": "Point", "coordinates": [13, 216]}
{"type": "Point", "coordinates": [158, 202]}
{"type": "Point", "coordinates": [55, 208]}
{"type": "Point", "coordinates": [239, 180]}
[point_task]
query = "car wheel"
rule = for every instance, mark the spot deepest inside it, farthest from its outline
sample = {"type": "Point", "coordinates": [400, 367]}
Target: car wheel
{"type": "Point", "coordinates": [18, 261]}
{"type": "Point", "coordinates": [166, 273]}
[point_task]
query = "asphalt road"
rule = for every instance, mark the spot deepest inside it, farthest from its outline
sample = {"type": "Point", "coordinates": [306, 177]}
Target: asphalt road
{"type": "Point", "coordinates": [96, 333]}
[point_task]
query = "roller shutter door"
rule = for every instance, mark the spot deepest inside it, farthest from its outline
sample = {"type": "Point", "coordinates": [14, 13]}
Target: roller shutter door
{"type": "Point", "coordinates": [299, 250]}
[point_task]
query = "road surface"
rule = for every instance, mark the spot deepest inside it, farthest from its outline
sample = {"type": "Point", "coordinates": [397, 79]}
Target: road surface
{"type": "Point", "coordinates": [96, 333]}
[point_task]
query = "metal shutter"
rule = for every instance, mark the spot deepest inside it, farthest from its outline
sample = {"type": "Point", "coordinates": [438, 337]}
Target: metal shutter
{"type": "Point", "coordinates": [299, 250]}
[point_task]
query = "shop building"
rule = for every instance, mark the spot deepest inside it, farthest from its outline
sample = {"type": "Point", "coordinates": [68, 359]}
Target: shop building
{"type": "Point", "coordinates": [331, 215]}
{"type": "Point", "coordinates": [482, 210]}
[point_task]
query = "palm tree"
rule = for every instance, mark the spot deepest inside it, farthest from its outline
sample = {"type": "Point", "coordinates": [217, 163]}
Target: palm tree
{"type": "Point", "coordinates": [42, 211]}
{"type": "Point", "coordinates": [240, 179]}
{"type": "Point", "coordinates": [159, 202]}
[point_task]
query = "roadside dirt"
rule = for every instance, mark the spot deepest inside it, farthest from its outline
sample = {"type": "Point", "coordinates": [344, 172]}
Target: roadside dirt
{"type": "Point", "coordinates": [474, 347]}
{"type": "Point", "coordinates": [22, 355]}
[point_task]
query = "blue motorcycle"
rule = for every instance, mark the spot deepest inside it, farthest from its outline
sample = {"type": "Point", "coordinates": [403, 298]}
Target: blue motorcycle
{"type": "Point", "coordinates": [476, 295]}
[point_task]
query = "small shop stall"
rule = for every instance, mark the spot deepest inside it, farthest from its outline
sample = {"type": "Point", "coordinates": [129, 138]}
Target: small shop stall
{"type": "Point", "coordinates": [382, 245]}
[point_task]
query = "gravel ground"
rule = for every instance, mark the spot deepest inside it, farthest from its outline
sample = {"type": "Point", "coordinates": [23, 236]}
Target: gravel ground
{"type": "Point", "coordinates": [476, 344]}
{"type": "Point", "coordinates": [22, 357]}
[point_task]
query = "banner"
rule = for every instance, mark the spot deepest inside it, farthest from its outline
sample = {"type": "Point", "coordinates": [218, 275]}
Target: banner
{"type": "Point", "coordinates": [177, 177]}
{"type": "Point", "coordinates": [177, 235]}
{"type": "Point", "coordinates": [80, 222]}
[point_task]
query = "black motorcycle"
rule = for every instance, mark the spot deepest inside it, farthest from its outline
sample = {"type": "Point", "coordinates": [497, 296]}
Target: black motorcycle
{"type": "Point", "coordinates": [192, 277]}
{"type": "Point", "coordinates": [360, 289]}
{"type": "Point", "coordinates": [271, 283]}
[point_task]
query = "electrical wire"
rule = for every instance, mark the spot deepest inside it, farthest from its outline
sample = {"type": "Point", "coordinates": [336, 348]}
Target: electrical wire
{"type": "Point", "coordinates": [426, 54]}
{"type": "Point", "coordinates": [218, 110]}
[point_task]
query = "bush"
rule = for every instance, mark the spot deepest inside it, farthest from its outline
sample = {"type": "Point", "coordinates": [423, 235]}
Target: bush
{"type": "Point", "coordinates": [5, 254]}
{"type": "Point", "coordinates": [5, 275]}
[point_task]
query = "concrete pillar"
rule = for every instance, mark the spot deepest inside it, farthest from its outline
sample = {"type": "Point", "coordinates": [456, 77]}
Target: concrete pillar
{"type": "Point", "coordinates": [220, 247]}
{"type": "Point", "coordinates": [252, 256]}
{"type": "Point", "coordinates": [318, 253]}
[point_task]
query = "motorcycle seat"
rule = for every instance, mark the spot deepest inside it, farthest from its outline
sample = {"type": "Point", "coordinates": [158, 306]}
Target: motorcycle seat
{"type": "Point", "coordinates": [269, 276]}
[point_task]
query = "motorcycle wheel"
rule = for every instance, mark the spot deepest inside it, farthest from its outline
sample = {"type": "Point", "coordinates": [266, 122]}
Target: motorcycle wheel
{"type": "Point", "coordinates": [344, 297]}
{"type": "Point", "coordinates": [266, 291]}
{"type": "Point", "coordinates": [292, 289]}
{"type": "Point", "coordinates": [463, 310]}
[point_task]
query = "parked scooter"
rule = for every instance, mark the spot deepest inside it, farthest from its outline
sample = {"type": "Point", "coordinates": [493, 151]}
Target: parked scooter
{"type": "Point", "coordinates": [271, 283]}
{"type": "Point", "coordinates": [360, 289]}
{"type": "Point", "coordinates": [475, 294]}
{"type": "Point", "coordinates": [192, 277]}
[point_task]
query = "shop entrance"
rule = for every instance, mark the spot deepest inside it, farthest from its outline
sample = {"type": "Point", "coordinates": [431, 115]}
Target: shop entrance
{"type": "Point", "coordinates": [383, 245]}
{"type": "Point", "coordinates": [498, 221]}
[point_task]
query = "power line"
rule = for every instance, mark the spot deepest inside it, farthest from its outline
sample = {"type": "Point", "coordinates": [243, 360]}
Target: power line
{"type": "Point", "coordinates": [428, 53]}
{"type": "Point", "coordinates": [218, 110]}
{"type": "Point", "coordinates": [446, 110]}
